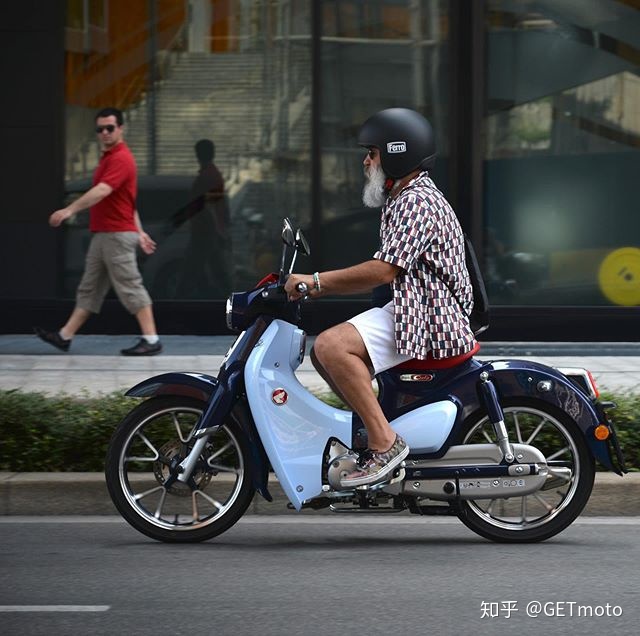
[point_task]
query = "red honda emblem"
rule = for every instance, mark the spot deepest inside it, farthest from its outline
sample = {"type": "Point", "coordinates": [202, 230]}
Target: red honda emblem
{"type": "Point", "coordinates": [279, 397]}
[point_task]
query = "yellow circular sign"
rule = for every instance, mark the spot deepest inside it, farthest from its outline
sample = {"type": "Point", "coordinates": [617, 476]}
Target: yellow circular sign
{"type": "Point", "coordinates": [619, 276]}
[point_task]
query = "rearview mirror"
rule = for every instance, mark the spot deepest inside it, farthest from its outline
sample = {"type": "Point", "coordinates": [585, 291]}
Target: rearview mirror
{"type": "Point", "coordinates": [288, 235]}
{"type": "Point", "coordinates": [301, 243]}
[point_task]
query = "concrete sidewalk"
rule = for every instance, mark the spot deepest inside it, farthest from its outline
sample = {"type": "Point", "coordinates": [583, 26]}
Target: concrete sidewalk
{"type": "Point", "coordinates": [94, 365]}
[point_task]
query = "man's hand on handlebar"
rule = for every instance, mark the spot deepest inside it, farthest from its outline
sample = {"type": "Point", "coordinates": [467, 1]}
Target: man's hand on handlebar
{"type": "Point", "coordinates": [294, 289]}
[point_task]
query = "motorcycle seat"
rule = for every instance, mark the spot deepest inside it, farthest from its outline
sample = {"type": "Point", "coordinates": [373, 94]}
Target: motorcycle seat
{"type": "Point", "coordinates": [432, 364]}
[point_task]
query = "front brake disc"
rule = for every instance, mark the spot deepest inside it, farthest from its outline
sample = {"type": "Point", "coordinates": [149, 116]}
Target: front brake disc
{"type": "Point", "coordinates": [161, 471]}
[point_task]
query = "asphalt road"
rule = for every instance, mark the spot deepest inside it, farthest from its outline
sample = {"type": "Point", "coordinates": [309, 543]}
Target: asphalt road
{"type": "Point", "coordinates": [330, 576]}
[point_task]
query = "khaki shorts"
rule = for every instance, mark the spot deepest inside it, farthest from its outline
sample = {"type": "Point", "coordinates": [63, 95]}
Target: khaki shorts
{"type": "Point", "coordinates": [377, 330]}
{"type": "Point", "coordinates": [111, 262]}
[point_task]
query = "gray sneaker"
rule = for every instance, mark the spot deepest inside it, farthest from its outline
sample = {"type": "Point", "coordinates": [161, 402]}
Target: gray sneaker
{"type": "Point", "coordinates": [375, 466]}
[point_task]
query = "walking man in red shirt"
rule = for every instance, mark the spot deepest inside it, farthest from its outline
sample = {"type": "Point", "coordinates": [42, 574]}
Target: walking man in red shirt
{"type": "Point", "coordinates": [117, 231]}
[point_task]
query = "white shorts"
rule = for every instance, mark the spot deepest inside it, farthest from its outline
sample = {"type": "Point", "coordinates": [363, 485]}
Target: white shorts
{"type": "Point", "coordinates": [377, 329]}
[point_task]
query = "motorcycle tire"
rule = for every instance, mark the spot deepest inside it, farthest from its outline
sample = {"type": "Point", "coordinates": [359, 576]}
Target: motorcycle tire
{"type": "Point", "coordinates": [152, 436]}
{"type": "Point", "coordinates": [550, 510]}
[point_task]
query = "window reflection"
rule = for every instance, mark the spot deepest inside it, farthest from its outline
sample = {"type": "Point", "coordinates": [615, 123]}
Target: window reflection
{"type": "Point", "coordinates": [231, 72]}
{"type": "Point", "coordinates": [562, 140]}
{"type": "Point", "coordinates": [375, 55]}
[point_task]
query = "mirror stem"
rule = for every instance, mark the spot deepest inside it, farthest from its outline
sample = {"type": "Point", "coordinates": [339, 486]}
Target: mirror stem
{"type": "Point", "coordinates": [284, 255]}
{"type": "Point", "coordinates": [293, 261]}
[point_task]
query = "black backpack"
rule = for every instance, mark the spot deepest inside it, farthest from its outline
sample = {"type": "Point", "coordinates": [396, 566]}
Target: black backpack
{"type": "Point", "coordinates": [479, 317]}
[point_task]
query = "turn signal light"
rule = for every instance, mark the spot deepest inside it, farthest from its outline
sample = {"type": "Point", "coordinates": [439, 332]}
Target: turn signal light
{"type": "Point", "coordinates": [601, 432]}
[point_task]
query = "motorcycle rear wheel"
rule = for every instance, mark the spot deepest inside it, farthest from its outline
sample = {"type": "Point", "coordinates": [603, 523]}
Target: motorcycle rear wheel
{"type": "Point", "coordinates": [548, 511]}
{"type": "Point", "coordinates": [139, 455]}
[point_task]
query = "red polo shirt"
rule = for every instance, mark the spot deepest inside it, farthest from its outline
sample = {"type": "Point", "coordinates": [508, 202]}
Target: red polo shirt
{"type": "Point", "coordinates": [115, 213]}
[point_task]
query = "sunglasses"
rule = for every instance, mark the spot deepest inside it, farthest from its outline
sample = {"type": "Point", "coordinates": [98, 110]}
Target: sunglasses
{"type": "Point", "coordinates": [372, 153]}
{"type": "Point", "coordinates": [109, 128]}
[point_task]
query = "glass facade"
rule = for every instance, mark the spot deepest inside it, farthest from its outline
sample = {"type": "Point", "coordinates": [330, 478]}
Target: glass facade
{"type": "Point", "coordinates": [375, 55]}
{"type": "Point", "coordinates": [281, 88]}
{"type": "Point", "coordinates": [562, 152]}
{"type": "Point", "coordinates": [233, 72]}
{"type": "Point", "coordinates": [239, 73]}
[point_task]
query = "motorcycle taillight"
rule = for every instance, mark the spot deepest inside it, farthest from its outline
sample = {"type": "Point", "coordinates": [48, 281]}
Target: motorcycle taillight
{"type": "Point", "coordinates": [592, 382]}
{"type": "Point", "coordinates": [582, 379]}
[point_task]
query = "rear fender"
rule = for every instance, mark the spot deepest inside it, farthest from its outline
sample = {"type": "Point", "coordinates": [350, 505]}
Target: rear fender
{"type": "Point", "coordinates": [201, 387]}
{"type": "Point", "coordinates": [519, 378]}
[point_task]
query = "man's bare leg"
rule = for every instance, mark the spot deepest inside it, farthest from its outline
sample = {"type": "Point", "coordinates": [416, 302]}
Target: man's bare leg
{"type": "Point", "coordinates": [322, 372]}
{"type": "Point", "coordinates": [77, 318]}
{"type": "Point", "coordinates": [146, 321]}
{"type": "Point", "coordinates": [343, 356]}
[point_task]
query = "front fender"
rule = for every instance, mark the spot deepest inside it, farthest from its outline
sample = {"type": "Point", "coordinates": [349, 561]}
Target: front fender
{"type": "Point", "coordinates": [520, 378]}
{"type": "Point", "coordinates": [195, 385]}
{"type": "Point", "coordinates": [201, 387]}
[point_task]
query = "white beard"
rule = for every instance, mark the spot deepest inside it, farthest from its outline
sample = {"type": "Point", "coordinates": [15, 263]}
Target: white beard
{"type": "Point", "coordinates": [373, 194]}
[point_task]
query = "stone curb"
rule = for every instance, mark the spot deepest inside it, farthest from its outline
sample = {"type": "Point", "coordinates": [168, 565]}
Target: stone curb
{"type": "Point", "coordinates": [43, 494]}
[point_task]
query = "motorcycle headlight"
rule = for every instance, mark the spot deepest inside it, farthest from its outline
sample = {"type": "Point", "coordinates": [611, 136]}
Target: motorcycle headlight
{"type": "Point", "coordinates": [229, 312]}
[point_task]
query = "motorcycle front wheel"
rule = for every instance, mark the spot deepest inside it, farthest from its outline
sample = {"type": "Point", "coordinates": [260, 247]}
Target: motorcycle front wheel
{"type": "Point", "coordinates": [153, 435]}
{"type": "Point", "coordinates": [569, 483]}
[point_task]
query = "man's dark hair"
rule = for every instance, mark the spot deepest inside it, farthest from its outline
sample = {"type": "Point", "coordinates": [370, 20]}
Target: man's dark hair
{"type": "Point", "coordinates": [107, 112]}
{"type": "Point", "coordinates": [205, 150]}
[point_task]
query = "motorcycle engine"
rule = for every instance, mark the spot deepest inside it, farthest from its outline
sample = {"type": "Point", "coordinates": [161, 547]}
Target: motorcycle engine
{"type": "Point", "coordinates": [341, 462]}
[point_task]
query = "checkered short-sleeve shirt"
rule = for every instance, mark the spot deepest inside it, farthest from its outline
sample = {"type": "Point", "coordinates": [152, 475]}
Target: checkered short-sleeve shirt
{"type": "Point", "coordinates": [432, 296]}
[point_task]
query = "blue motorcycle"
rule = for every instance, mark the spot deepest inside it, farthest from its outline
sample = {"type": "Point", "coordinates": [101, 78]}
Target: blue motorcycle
{"type": "Point", "coordinates": [507, 446]}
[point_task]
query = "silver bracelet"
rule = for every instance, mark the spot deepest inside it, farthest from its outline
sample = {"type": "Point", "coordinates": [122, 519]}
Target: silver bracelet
{"type": "Point", "coordinates": [316, 282]}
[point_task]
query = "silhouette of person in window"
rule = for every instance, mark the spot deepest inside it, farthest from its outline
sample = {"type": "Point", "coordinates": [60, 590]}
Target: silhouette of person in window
{"type": "Point", "coordinates": [207, 265]}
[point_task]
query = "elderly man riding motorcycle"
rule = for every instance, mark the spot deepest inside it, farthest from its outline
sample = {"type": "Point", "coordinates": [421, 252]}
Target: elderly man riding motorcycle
{"type": "Point", "coordinates": [422, 259]}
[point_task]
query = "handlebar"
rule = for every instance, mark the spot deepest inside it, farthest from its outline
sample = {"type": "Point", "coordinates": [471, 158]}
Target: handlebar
{"type": "Point", "coordinates": [275, 291]}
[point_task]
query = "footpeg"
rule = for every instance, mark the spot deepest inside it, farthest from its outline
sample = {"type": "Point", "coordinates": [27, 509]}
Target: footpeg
{"type": "Point", "coordinates": [397, 475]}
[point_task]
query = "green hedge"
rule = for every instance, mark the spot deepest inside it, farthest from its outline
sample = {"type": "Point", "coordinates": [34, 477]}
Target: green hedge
{"type": "Point", "coordinates": [61, 433]}
{"type": "Point", "coordinates": [64, 433]}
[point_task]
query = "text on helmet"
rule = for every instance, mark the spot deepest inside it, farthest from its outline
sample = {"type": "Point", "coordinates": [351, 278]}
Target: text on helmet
{"type": "Point", "coordinates": [394, 147]}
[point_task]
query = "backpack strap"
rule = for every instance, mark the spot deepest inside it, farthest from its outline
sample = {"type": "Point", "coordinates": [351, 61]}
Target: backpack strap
{"type": "Point", "coordinates": [479, 317]}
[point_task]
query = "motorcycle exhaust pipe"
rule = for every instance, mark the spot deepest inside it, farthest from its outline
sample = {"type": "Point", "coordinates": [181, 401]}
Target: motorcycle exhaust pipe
{"type": "Point", "coordinates": [470, 488]}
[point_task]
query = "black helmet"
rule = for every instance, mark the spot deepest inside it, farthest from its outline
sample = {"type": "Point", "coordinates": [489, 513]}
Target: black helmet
{"type": "Point", "coordinates": [404, 139]}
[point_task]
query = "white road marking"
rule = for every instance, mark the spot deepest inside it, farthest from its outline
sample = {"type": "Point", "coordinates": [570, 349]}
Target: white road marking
{"type": "Point", "coordinates": [54, 608]}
